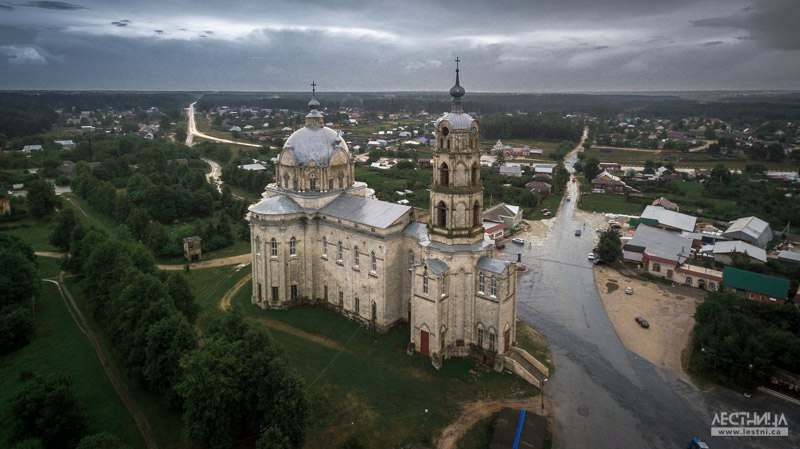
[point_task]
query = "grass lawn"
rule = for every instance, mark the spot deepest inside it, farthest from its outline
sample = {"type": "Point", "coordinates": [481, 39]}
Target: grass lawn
{"type": "Point", "coordinates": [59, 347]}
{"type": "Point", "coordinates": [88, 215]}
{"type": "Point", "coordinates": [165, 422]}
{"type": "Point", "coordinates": [34, 232]}
{"type": "Point", "coordinates": [370, 389]}
{"type": "Point", "coordinates": [604, 203]}
{"type": "Point", "coordinates": [479, 436]}
{"type": "Point", "coordinates": [551, 202]}
{"type": "Point", "coordinates": [49, 267]}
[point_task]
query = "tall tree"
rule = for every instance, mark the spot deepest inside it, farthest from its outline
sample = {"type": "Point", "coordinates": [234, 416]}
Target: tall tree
{"type": "Point", "coordinates": [46, 408]}
{"type": "Point", "coordinates": [42, 198]}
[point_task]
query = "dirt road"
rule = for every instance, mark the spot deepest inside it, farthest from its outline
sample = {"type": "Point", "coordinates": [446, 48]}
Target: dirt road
{"type": "Point", "coordinates": [192, 131]}
{"type": "Point", "coordinates": [476, 411]}
{"type": "Point", "coordinates": [241, 259]}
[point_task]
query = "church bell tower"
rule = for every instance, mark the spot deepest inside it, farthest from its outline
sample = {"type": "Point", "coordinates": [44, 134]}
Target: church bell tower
{"type": "Point", "coordinates": [457, 191]}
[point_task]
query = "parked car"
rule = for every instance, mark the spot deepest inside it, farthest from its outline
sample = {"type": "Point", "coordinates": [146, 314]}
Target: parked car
{"type": "Point", "coordinates": [642, 322]}
{"type": "Point", "coordinates": [568, 198]}
{"type": "Point", "coordinates": [500, 245]}
{"type": "Point", "coordinates": [628, 290]}
{"type": "Point", "coordinates": [599, 230]}
{"type": "Point", "coordinates": [577, 233]}
{"type": "Point", "coordinates": [518, 241]}
{"type": "Point", "coordinates": [591, 256]}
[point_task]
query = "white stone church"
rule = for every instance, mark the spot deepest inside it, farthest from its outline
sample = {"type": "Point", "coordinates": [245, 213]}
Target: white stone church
{"type": "Point", "coordinates": [317, 238]}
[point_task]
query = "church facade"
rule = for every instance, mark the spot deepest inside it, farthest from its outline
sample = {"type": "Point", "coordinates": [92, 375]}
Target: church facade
{"type": "Point", "coordinates": [316, 237]}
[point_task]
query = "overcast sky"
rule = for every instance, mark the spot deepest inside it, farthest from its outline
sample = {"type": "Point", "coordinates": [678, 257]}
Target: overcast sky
{"type": "Point", "coordinates": [355, 45]}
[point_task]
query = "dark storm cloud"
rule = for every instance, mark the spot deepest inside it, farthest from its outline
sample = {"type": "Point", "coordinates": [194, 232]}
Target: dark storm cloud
{"type": "Point", "coordinates": [16, 35]}
{"type": "Point", "coordinates": [6, 7]}
{"type": "Point", "coordinates": [59, 6]}
{"type": "Point", "coordinates": [505, 45]}
{"type": "Point", "coordinates": [772, 23]}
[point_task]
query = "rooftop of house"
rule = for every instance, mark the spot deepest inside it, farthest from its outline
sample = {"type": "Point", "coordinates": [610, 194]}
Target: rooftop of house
{"type": "Point", "coordinates": [659, 215]}
{"type": "Point", "coordinates": [755, 282]}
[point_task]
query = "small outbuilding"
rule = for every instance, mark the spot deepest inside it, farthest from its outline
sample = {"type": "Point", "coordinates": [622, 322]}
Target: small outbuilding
{"type": "Point", "coordinates": [191, 248]}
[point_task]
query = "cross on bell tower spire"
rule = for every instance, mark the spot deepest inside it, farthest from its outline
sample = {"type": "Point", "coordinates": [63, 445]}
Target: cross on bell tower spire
{"type": "Point", "coordinates": [313, 104]}
{"type": "Point", "coordinates": [457, 92]}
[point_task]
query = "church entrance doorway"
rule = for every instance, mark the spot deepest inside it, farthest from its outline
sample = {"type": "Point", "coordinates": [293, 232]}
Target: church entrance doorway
{"type": "Point", "coordinates": [424, 341]}
{"type": "Point", "coordinates": [506, 340]}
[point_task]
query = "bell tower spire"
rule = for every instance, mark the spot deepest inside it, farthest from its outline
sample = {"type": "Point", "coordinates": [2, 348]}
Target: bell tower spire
{"type": "Point", "coordinates": [457, 191]}
{"type": "Point", "coordinates": [314, 119]}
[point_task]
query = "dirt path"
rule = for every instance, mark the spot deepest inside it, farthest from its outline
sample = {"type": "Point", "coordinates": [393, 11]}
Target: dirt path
{"type": "Point", "coordinates": [225, 302]}
{"type": "Point", "coordinates": [50, 254]}
{"type": "Point", "coordinates": [241, 259]}
{"type": "Point", "coordinates": [122, 390]}
{"type": "Point", "coordinates": [476, 411]}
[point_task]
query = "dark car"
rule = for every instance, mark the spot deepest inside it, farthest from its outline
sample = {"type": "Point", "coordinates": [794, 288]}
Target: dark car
{"type": "Point", "coordinates": [642, 322]}
{"type": "Point", "coordinates": [500, 245]}
{"type": "Point", "coordinates": [577, 233]}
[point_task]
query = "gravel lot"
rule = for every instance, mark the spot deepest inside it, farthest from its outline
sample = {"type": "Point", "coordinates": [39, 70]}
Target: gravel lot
{"type": "Point", "coordinates": [669, 310]}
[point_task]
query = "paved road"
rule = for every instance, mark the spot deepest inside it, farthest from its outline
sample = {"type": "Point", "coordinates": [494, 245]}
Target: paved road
{"type": "Point", "coordinates": [192, 131]}
{"type": "Point", "coordinates": [602, 395]}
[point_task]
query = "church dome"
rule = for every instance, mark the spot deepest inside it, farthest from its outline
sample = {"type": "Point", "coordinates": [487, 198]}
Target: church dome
{"type": "Point", "coordinates": [314, 143]}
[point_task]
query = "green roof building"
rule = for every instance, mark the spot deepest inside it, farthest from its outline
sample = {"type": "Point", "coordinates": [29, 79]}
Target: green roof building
{"type": "Point", "coordinates": [755, 286]}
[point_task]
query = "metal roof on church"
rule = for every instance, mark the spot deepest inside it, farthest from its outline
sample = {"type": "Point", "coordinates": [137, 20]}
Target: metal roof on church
{"type": "Point", "coordinates": [494, 265]}
{"type": "Point", "coordinates": [277, 205]}
{"type": "Point", "coordinates": [458, 120]}
{"type": "Point", "coordinates": [375, 213]}
{"type": "Point", "coordinates": [436, 266]}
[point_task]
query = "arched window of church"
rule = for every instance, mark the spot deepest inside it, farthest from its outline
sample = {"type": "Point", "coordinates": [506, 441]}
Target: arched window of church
{"type": "Point", "coordinates": [447, 144]}
{"type": "Point", "coordinates": [292, 246]}
{"type": "Point", "coordinates": [480, 335]}
{"type": "Point", "coordinates": [355, 256]}
{"type": "Point", "coordinates": [508, 284]}
{"type": "Point", "coordinates": [273, 248]}
{"type": "Point", "coordinates": [374, 261]}
{"type": "Point", "coordinates": [312, 184]}
{"type": "Point", "coordinates": [481, 282]}
{"type": "Point", "coordinates": [330, 183]}
{"type": "Point", "coordinates": [325, 246]}
{"type": "Point", "coordinates": [341, 180]}
{"type": "Point", "coordinates": [493, 290]}
{"type": "Point", "coordinates": [444, 175]}
{"type": "Point", "coordinates": [476, 173]}
{"type": "Point", "coordinates": [294, 183]}
{"type": "Point", "coordinates": [441, 214]}
{"type": "Point", "coordinates": [425, 283]}
{"type": "Point", "coordinates": [340, 253]}
{"type": "Point", "coordinates": [258, 246]}
{"type": "Point", "coordinates": [476, 214]}
{"type": "Point", "coordinates": [492, 339]}
{"type": "Point", "coordinates": [410, 259]}
{"type": "Point", "coordinates": [357, 305]}
{"type": "Point", "coordinates": [285, 181]}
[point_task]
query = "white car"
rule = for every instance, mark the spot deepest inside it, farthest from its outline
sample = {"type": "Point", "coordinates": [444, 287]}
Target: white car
{"type": "Point", "coordinates": [628, 290]}
{"type": "Point", "coordinates": [591, 256]}
{"type": "Point", "coordinates": [518, 241]}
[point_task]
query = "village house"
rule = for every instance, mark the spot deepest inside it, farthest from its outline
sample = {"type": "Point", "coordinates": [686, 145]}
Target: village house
{"type": "Point", "coordinates": [666, 219]}
{"type": "Point", "coordinates": [752, 230]}
{"type": "Point", "coordinates": [724, 251]}
{"type": "Point", "coordinates": [510, 215]}
{"type": "Point", "coordinates": [542, 188]}
{"type": "Point", "coordinates": [756, 286]}
{"type": "Point", "coordinates": [511, 170]}
{"type": "Point", "coordinates": [665, 203]}
{"type": "Point", "coordinates": [605, 182]}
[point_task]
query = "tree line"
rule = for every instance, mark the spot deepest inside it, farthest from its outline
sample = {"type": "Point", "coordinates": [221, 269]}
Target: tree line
{"type": "Point", "coordinates": [531, 126]}
{"type": "Point", "coordinates": [741, 342]}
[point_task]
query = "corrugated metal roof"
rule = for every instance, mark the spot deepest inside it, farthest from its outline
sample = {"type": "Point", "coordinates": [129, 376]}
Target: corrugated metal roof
{"type": "Point", "coordinates": [789, 256]}
{"type": "Point", "coordinates": [314, 143]}
{"type": "Point", "coordinates": [755, 282]}
{"type": "Point", "coordinates": [277, 205]}
{"type": "Point", "coordinates": [752, 227]}
{"type": "Point", "coordinates": [458, 120]}
{"type": "Point", "coordinates": [725, 247]}
{"type": "Point", "coordinates": [436, 266]}
{"type": "Point", "coordinates": [494, 265]}
{"type": "Point", "coordinates": [660, 243]}
{"type": "Point", "coordinates": [669, 218]}
{"type": "Point", "coordinates": [417, 230]}
{"type": "Point", "coordinates": [376, 213]}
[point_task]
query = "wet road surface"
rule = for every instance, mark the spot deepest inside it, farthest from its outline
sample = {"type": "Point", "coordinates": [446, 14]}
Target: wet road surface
{"type": "Point", "coordinates": [602, 395]}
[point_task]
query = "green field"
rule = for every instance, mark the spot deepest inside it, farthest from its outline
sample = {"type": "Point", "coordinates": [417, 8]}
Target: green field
{"type": "Point", "coordinates": [369, 388]}
{"type": "Point", "coordinates": [59, 347]}
{"type": "Point", "coordinates": [35, 232]}
{"type": "Point", "coordinates": [682, 160]}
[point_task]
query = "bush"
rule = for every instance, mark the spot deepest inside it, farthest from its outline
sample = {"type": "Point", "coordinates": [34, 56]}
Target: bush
{"type": "Point", "coordinates": [47, 408]}
{"type": "Point", "coordinates": [16, 329]}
